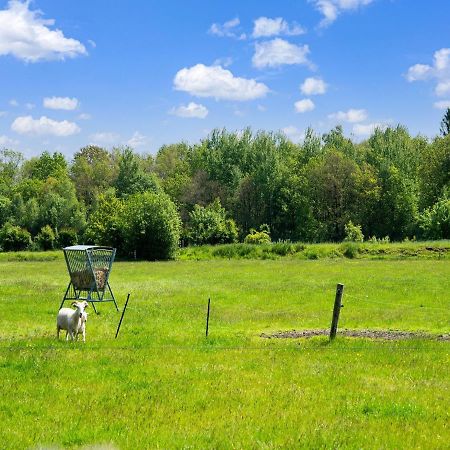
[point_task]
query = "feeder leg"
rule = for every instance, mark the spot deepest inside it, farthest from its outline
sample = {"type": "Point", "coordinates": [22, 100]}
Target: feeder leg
{"type": "Point", "coordinates": [112, 295]}
{"type": "Point", "coordinates": [94, 308]}
{"type": "Point", "coordinates": [64, 298]}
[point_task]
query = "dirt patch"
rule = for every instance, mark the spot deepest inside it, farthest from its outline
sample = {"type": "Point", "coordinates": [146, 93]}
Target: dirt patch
{"type": "Point", "coordinates": [370, 334]}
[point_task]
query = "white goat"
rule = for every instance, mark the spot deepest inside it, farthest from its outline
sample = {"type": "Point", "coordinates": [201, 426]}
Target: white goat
{"type": "Point", "coordinates": [72, 320]}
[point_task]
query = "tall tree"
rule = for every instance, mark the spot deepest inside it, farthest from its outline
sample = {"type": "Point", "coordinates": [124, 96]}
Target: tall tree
{"type": "Point", "coordinates": [445, 123]}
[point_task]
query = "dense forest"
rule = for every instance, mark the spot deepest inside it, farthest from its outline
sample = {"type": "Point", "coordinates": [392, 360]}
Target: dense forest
{"type": "Point", "coordinates": [229, 185]}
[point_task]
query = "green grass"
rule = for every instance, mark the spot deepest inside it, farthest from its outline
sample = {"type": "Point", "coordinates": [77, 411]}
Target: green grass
{"type": "Point", "coordinates": [396, 250]}
{"type": "Point", "coordinates": [162, 384]}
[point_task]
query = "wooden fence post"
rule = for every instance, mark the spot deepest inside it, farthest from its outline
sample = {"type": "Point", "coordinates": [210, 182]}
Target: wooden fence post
{"type": "Point", "coordinates": [336, 310]}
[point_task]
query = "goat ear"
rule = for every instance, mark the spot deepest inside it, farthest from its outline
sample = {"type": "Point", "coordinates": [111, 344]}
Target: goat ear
{"type": "Point", "coordinates": [86, 304]}
{"type": "Point", "coordinates": [74, 304]}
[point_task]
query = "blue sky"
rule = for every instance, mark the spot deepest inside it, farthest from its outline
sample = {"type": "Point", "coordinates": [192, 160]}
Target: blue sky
{"type": "Point", "coordinates": [148, 73]}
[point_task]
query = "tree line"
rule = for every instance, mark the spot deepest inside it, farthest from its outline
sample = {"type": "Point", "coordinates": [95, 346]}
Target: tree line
{"type": "Point", "coordinates": [226, 187]}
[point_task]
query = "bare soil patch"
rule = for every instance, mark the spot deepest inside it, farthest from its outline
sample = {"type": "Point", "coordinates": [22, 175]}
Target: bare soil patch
{"type": "Point", "coordinates": [370, 334]}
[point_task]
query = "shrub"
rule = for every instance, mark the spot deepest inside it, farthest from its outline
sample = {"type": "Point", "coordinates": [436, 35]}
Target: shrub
{"type": "Point", "coordinates": [151, 226]}
{"type": "Point", "coordinates": [350, 249]}
{"type": "Point", "coordinates": [434, 223]}
{"type": "Point", "coordinates": [258, 237]}
{"type": "Point", "coordinates": [67, 237]}
{"type": "Point", "coordinates": [209, 225]}
{"type": "Point", "coordinates": [13, 238]}
{"type": "Point", "coordinates": [353, 233]}
{"type": "Point", "coordinates": [46, 238]}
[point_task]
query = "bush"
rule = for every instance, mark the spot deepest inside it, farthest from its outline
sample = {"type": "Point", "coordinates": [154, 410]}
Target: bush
{"type": "Point", "coordinates": [258, 237]}
{"type": "Point", "coordinates": [14, 238]}
{"type": "Point", "coordinates": [434, 223]}
{"type": "Point", "coordinates": [151, 226]}
{"type": "Point", "coordinates": [46, 238]}
{"type": "Point", "coordinates": [209, 225]}
{"type": "Point", "coordinates": [353, 233]}
{"type": "Point", "coordinates": [67, 237]}
{"type": "Point", "coordinates": [350, 249]}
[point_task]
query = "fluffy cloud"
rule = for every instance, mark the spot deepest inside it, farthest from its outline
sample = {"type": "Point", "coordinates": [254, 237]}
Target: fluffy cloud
{"type": "Point", "coordinates": [265, 27]}
{"type": "Point", "coordinates": [6, 141]}
{"type": "Point", "coordinates": [330, 9]}
{"type": "Point", "coordinates": [293, 133]}
{"type": "Point", "coordinates": [444, 104]}
{"type": "Point", "coordinates": [304, 105]}
{"type": "Point", "coordinates": [228, 29]}
{"type": "Point", "coordinates": [278, 52]}
{"type": "Point", "coordinates": [352, 115]}
{"type": "Point", "coordinates": [313, 86]}
{"type": "Point", "coordinates": [366, 129]}
{"type": "Point", "coordinates": [27, 36]}
{"type": "Point", "coordinates": [65, 103]}
{"type": "Point", "coordinates": [192, 110]}
{"type": "Point", "coordinates": [439, 72]}
{"type": "Point", "coordinates": [44, 126]}
{"type": "Point", "coordinates": [217, 82]}
{"type": "Point", "coordinates": [104, 138]}
{"type": "Point", "coordinates": [137, 140]}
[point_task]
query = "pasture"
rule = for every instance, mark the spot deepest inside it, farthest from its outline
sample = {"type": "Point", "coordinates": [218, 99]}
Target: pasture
{"type": "Point", "coordinates": [161, 384]}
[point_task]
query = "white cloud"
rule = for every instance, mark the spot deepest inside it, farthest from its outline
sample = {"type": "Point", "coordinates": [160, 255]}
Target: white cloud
{"type": "Point", "coordinates": [84, 116]}
{"type": "Point", "coordinates": [443, 88]}
{"type": "Point", "coordinates": [13, 102]}
{"type": "Point", "coordinates": [293, 133]}
{"type": "Point", "coordinates": [304, 105]}
{"type": "Point", "coordinates": [278, 52]}
{"type": "Point", "coordinates": [65, 103]}
{"type": "Point", "coordinates": [439, 72]}
{"type": "Point", "coordinates": [105, 137]}
{"type": "Point", "coordinates": [214, 81]}
{"type": "Point", "coordinates": [418, 72]}
{"type": "Point", "coordinates": [224, 62]}
{"type": "Point", "coordinates": [137, 140]}
{"type": "Point", "coordinates": [228, 29]}
{"type": "Point", "coordinates": [25, 35]}
{"type": "Point", "coordinates": [30, 106]}
{"type": "Point", "coordinates": [192, 110]}
{"type": "Point", "coordinates": [313, 86]}
{"type": "Point", "coordinates": [331, 9]}
{"type": "Point", "coordinates": [352, 115]}
{"type": "Point", "coordinates": [443, 104]}
{"type": "Point", "coordinates": [367, 129]}
{"type": "Point", "coordinates": [44, 126]}
{"type": "Point", "coordinates": [6, 141]}
{"type": "Point", "coordinates": [265, 27]}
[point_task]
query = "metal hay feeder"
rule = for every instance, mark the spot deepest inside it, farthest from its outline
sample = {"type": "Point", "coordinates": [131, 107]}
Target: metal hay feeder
{"type": "Point", "coordinates": [89, 268]}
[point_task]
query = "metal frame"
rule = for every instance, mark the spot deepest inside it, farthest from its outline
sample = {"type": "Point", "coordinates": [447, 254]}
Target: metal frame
{"type": "Point", "coordinates": [89, 268]}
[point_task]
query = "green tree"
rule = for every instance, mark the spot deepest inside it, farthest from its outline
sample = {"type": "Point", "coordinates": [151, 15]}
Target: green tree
{"type": "Point", "coordinates": [131, 178]}
{"type": "Point", "coordinates": [45, 166]}
{"type": "Point", "coordinates": [152, 226]}
{"type": "Point", "coordinates": [445, 123]}
{"type": "Point", "coordinates": [93, 171]}
{"type": "Point", "coordinates": [210, 225]}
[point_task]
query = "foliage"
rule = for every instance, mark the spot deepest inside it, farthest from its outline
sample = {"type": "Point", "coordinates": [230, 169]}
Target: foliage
{"type": "Point", "coordinates": [353, 233]}
{"type": "Point", "coordinates": [258, 237]}
{"type": "Point", "coordinates": [14, 238]}
{"type": "Point", "coordinates": [445, 124]}
{"type": "Point", "coordinates": [105, 225]}
{"type": "Point", "coordinates": [434, 222]}
{"type": "Point", "coordinates": [46, 238]}
{"type": "Point", "coordinates": [67, 237]}
{"type": "Point", "coordinates": [209, 225]}
{"type": "Point", "coordinates": [151, 226]}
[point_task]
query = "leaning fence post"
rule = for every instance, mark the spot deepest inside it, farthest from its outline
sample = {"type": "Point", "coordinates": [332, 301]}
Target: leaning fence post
{"type": "Point", "coordinates": [207, 316]}
{"type": "Point", "coordinates": [123, 313]}
{"type": "Point", "coordinates": [336, 310]}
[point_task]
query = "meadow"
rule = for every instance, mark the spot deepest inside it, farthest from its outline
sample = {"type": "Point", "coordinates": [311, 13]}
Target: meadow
{"type": "Point", "coordinates": [162, 384]}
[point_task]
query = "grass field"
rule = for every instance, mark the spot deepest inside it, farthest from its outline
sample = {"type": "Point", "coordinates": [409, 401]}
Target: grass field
{"type": "Point", "coordinates": [161, 384]}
